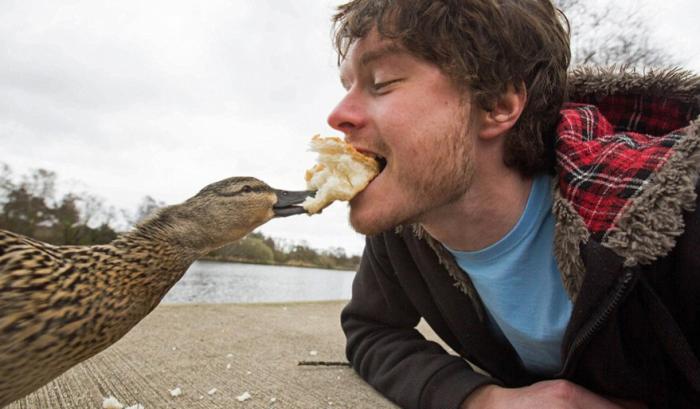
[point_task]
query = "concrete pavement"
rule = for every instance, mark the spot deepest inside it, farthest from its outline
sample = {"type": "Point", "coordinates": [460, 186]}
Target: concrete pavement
{"type": "Point", "coordinates": [216, 354]}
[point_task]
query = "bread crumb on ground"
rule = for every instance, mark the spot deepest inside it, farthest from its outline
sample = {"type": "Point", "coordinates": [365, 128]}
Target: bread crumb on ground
{"type": "Point", "coordinates": [111, 403]}
{"type": "Point", "coordinates": [243, 397]}
{"type": "Point", "coordinates": [175, 392]}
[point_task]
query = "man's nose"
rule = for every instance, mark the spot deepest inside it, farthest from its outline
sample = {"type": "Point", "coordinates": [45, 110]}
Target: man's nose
{"type": "Point", "coordinates": [348, 116]}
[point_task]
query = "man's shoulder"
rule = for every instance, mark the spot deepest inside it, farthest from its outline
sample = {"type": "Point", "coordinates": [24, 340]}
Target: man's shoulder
{"type": "Point", "coordinates": [628, 154]}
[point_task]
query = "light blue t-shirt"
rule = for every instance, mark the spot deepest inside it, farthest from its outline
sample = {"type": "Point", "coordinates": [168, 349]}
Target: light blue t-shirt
{"type": "Point", "coordinates": [518, 280]}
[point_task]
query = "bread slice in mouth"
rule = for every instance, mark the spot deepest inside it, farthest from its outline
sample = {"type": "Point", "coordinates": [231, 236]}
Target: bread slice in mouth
{"type": "Point", "coordinates": [341, 172]}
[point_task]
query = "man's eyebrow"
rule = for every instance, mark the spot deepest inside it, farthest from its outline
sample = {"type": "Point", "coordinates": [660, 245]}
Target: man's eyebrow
{"type": "Point", "coordinates": [381, 52]}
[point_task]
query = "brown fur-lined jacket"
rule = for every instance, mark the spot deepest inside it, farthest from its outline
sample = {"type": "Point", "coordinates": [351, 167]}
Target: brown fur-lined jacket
{"type": "Point", "coordinates": [627, 243]}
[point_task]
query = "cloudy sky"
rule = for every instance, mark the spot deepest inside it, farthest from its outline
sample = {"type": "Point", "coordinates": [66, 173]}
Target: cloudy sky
{"type": "Point", "coordinates": [130, 98]}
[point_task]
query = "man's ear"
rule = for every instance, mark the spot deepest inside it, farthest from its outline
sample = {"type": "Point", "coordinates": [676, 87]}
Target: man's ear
{"type": "Point", "coordinates": [505, 112]}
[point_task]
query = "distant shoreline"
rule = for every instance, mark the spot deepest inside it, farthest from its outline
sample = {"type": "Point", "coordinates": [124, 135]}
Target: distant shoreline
{"type": "Point", "coordinates": [265, 263]}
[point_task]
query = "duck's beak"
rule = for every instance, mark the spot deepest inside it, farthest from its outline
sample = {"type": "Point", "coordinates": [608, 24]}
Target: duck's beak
{"type": "Point", "coordinates": [287, 200]}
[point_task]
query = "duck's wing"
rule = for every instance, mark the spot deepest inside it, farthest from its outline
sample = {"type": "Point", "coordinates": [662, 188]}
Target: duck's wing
{"type": "Point", "coordinates": [30, 273]}
{"type": "Point", "coordinates": [28, 269]}
{"type": "Point", "coordinates": [60, 305]}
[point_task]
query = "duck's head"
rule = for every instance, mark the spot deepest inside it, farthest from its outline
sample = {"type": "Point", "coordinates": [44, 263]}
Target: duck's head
{"type": "Point", "coordinates": [227, 210]}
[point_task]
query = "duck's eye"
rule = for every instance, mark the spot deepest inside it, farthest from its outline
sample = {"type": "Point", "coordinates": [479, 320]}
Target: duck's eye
{"type": "Point", "coordinates": [246, 189]}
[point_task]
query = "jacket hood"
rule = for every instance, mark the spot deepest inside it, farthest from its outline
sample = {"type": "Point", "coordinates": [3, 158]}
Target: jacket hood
{"type": "Point", "coordinates": [628, 157]}
{"type": "Point", "coordinates": [638, 135]}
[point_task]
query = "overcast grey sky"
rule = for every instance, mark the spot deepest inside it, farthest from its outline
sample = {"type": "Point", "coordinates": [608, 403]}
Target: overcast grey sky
{"type": "Point", "coordinates": [130, 98]}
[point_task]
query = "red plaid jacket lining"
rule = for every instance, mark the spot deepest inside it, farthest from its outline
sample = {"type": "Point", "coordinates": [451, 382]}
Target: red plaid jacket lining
{"type": "Point", "coordinates": [606, 160]}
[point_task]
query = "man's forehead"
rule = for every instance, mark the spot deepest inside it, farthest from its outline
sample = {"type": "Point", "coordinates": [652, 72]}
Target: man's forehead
{"type": "Point", "coordinates": [381, 50]}
{"type": "Point", "coordinates": [370, 48]}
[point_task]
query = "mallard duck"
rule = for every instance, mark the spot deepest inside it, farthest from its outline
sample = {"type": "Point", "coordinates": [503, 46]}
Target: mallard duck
{"type": "Point", "coordinates": [60, 305]}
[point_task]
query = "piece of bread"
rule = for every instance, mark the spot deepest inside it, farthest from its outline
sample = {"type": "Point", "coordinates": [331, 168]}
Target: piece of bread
{"type": "Point", "coordinates": [340, 174]}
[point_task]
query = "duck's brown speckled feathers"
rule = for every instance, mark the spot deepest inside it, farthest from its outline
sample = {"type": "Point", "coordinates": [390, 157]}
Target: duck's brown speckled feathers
{"type": "Point", "coordinates": [60, 305]}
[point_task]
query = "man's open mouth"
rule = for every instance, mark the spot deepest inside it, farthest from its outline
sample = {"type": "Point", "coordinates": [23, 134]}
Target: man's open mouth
{"type": "Point", "coordinates": [380, 159]}
{"type": "Point", "coordinates": [382, 163]}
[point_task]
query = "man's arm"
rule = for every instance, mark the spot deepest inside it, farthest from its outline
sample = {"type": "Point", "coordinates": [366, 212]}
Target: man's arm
{"type": "Point", "coordinates": [388, 352]}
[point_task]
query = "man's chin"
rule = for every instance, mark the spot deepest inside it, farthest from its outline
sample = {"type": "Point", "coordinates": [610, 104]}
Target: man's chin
{"type": "Point", "coordinates": [371, 224]}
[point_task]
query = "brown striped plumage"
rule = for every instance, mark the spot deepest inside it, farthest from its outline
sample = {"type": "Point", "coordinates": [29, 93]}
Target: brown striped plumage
{"type": "Point", "coordinates": [60, 305]}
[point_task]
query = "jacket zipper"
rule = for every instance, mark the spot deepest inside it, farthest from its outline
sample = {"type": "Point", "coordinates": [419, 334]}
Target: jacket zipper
{"type": "Point", "coordinates": [593, 326]}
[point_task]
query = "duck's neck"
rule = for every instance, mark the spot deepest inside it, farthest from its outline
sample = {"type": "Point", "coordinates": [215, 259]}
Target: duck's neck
{"type": "Point", "coordinates": [161, 249]}
{"type": "Point", "coordinates": [177, 228]}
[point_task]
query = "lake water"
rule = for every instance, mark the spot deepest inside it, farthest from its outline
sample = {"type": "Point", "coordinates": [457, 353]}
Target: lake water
{"type": "Point", "coordinates": [216, 282]}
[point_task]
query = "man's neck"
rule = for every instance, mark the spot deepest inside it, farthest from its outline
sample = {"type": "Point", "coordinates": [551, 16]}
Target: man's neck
{"type": "Point", "coordinates": [483, 215]}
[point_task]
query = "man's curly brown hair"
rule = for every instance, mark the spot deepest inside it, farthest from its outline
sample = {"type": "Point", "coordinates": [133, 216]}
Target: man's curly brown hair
{"type": "Point", "coordinates": [482, 46]}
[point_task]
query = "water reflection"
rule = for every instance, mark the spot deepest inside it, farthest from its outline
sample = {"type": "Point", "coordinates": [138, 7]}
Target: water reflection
{"type": "Point", "coordinates": [214, 282]}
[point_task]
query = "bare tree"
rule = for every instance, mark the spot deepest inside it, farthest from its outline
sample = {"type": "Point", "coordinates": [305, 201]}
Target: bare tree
{"type": "Point", "coordinates": [147, 206]}
{"type": "Point", "coordinates": [6, 184]}
{"type": "Point", "coordinates": [611, 33]}
{"type": "Point", "coordinates": [92, 210]}
{"type": "Point", "coordinates": [41, 183]}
